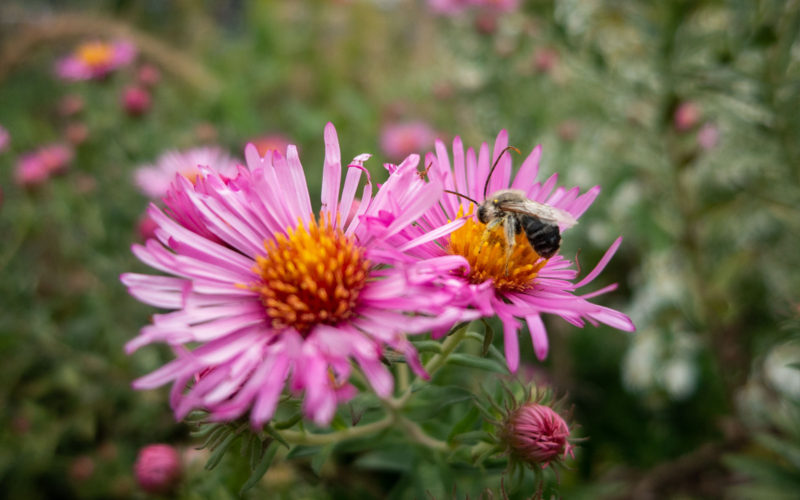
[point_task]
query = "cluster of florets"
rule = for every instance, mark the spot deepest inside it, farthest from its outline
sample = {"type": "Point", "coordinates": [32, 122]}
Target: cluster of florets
{"type": "Point", "coordinates": [267, 295]}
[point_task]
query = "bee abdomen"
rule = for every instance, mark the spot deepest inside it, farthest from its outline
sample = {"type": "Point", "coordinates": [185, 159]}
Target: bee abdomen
{"type": "Point", "coordinates": [544, 238]}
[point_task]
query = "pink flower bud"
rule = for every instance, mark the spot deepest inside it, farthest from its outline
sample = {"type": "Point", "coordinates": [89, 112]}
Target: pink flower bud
{"type": "Point", "coordinates": [5, 139]}
{"type": "Point", "coordinates": [136, 101]}
{"type": "Point", "coordinates": [82, 468]}
{"type": "Point", "coordinates": [148, 75]}
{"type": "Point", "coordinates": [537, 435]}
{"type": "Point", "coordinates": [686, 116]}
{"type": "Point", "coordinates": [70, 104]}
{"type": "Point", "coordinates": [158, 468]}
{"type": "Point", "coordinates": [77, 133]}
{"type": "Point", "coordinates": [708, 136]}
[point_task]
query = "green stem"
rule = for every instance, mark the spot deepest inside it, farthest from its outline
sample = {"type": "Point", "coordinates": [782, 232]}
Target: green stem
{"type": "Point", "coordinates": [449, 345]}
{"type": "Point", "coordinates": [416, 433]}
{"type": "Point", "coordinates": [307, 439]}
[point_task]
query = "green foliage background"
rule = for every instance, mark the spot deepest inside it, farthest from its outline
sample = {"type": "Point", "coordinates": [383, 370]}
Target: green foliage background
{"type": "Point", "coordinates": [696, 404]}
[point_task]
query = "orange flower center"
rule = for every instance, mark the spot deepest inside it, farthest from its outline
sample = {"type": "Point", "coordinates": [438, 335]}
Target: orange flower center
{"type": "Point", "coordinates": [312, 276]}
{"type": "Point", "coordinates": [95, 53]}
{"type": "Point", "coordinates": [486, 254]}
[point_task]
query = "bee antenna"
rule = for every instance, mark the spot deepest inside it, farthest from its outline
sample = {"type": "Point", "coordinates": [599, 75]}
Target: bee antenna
{"type": "Point", "coordinates": [462, 195]}
{"type": "Point", "coordinates": [509, 148]}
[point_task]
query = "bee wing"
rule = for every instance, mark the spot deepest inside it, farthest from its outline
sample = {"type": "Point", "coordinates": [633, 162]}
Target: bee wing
{"type": "Point", "coordinates": [544, 212]}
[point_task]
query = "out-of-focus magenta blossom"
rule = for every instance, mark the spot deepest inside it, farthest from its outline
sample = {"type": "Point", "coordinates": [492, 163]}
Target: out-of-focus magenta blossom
{"type": "Point", "coordinates": [455, 7]}
{"type": "Point", "coordinates": [399, 140]}
{"type": "Point", "coordinates": [70, 104]}
{"type": "Point", "coordinates": [76, 133]}
{"type": "Point", "coordinates": [136, 100]}
{"type": "Point", "coordinates": [536, 435]}
{"type": "Point", "coordinates": [148, 75]}
{"type": "Point", "coordinates": [686, 116]}
{"type": "Point", "coordinates": [158, 468]}
{"type": "Point", "coordinates": [82, 468]}
{"type": "Point", "coordinates": [528, 286]}
{"type": "Point", "coordinates": [449, 7]}
{"type": "Point", "coordinates": [545, 59]}
{"type": "Point", "coordinates": [95, 60]}
{"type": "Point", "coordinates": [154, 180]}
{"type": "Point", "coordinates": [36, 167]}
{"type": "Point", "coordinates": [279, 296]}
{"type": "Point", "coordinates": [5, 139]}
{"type": "Point", "coordinates": [708, 136]}
{"type": "Point", "coordinates": [271, 142]}
{"type": "Point", "coordinates": [497, 5]}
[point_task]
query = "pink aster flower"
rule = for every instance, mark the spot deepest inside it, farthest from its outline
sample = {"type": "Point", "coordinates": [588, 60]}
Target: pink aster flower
{"type": "Point", "coordinates": [94, 60]}
{"type": "Point", "coordinates": [449, 7]}
{"type": "Point", "coordinates": [37, 166]}
{"type": "Point", "coordinates": [280, 298]}
{"type": "Point", "coordinates": [522, 285]}
{"type": "Point", "coordinates": [497, 5]}
{"type": "Point", "coordinates": [5, 139]}
{"type": "Point", "coordinates": [398, 140]}
{"type": "Point", "coordinates": [158, 468]}
{"type": "Point", "coordinates": [154, 180]}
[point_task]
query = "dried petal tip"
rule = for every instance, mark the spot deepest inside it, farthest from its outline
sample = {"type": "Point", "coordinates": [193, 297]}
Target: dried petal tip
{"type": "Point", "coordinates": [536, 435]}
{"type": "Point", "coordinates": [158, 468]}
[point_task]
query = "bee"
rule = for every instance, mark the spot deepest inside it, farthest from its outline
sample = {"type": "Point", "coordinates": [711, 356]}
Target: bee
{"type": "Point", "coordinates": [516, 213]}
{"type": "Point", "coordinates": [512, 209]}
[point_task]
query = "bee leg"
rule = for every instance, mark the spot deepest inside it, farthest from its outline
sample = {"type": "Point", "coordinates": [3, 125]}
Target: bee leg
{"type": "Point", "coordinates": [488, 231]}
{"type": "Point", "coordinates": [511, 230]}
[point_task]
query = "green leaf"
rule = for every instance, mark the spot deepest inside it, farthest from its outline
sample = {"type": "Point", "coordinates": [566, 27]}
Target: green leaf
{"type": "Point", "coordinates": [783, 448]}
{"type": "Point", "coordinates": [467, 422]}
{"type": "Point", "coordinates": [428, 346]}
{"type": "Point", "coordinates": [276, 435]}
{"type": "Point", "coordinates": [320, 458]}
{"type": "Point", "coordinates": [220, 450]}
{"type": "Point", "coordinates": [288, 423]}
{"type": "Point", "coordinates": [301, 451]}
{"type": "Point", "coordinates": [488, 337]}
{"type": "Point", "coordinates": [261, 469]}
{"type": "Point", "coordinates": [479, 363]}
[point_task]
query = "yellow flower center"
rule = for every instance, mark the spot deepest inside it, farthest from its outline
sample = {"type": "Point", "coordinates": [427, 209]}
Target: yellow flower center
{"type": "Point", "coordinates": [486, 255]}
{"type": "Point", "coordinates": [313, 276]}
{"type": "Point", "coordinates": [95, 53]}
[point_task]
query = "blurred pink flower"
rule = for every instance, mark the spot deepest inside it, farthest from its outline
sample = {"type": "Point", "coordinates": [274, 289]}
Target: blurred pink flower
{"type": "Point", "coordinates": [281, 296]}
{"type": "Point", "coordinates": [686, 116]}
{"type": "Point", "coordinates": [76, 133]}
{"type": "Point", "coordinates": [95, 59]}
{"type": "Point", "coordinates": [158, 468]}
{"type": "Point", "coordinates": [36, 167]}
{"type": "Point", "coordinates": [522, 285]}
{"type": "Point", "coordinates": [148, 75]}
{"type": "Point", "coordinates": [399, 140]}
{"type": "Point", "coordinates": [5, 139]}
{"type": "Point", "coordinates": [449, 7]}
{"type": "Point", "coordinates": [708, 136]}
{"type": "Point", "coordinates": [271, 142]}
{"type": "Point", "coordinates": [82, 468]}
{"type": "Point", "coordinates": [136, 101]}
{"type": "Point", "coordinates": [536, 435]}
{"type": "Point", "coordinates": [70, 104]}
{"type": "Point", "coordinates": [496, 5]}
{"type": "Point", "coordinates": [545, 59]}
{"type": "Point", "coordinates": [154, 180]}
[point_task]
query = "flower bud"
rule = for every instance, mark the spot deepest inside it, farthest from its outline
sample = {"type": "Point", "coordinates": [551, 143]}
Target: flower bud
{"type": "Point", "coordinates": [537, 435]}
{"type": "Point", "coordinates": [686, 116]}
{"type": "Point", "coordinates": [158, 468]}
{"type": "Point", "coordinates": [136, 101]}
{"type": "Point", "coordinates": [148, 75]}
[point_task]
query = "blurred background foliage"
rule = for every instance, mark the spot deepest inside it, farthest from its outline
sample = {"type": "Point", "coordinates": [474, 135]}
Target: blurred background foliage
{"type": "Point", "coordinates": [686, 112]}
